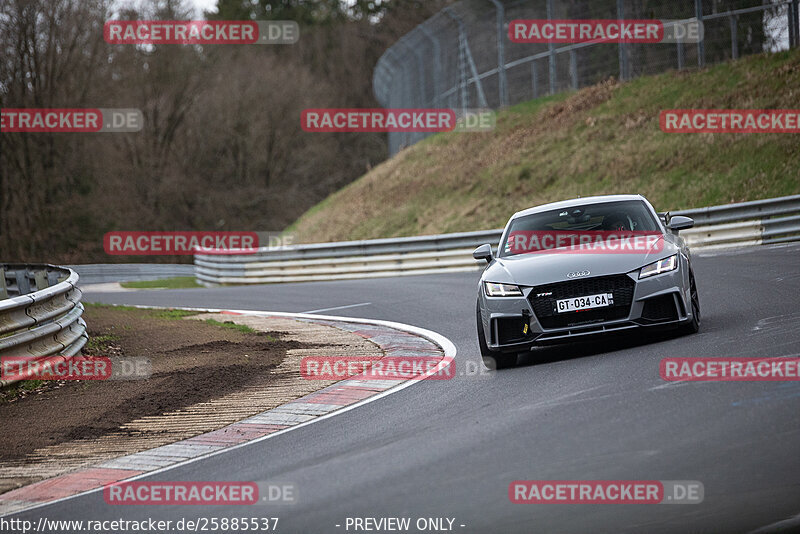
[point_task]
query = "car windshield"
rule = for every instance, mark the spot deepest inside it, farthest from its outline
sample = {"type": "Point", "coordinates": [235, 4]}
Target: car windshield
{"type": "Point", "coordinates": [619, 216]}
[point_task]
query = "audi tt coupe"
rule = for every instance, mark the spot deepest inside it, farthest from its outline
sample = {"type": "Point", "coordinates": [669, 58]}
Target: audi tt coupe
{"type": "Point", "coordinates": [583, 267]}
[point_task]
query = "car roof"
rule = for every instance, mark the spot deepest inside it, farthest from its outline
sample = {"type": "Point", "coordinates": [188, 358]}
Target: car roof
{"type": "Point", "coordinates": [577, 202]}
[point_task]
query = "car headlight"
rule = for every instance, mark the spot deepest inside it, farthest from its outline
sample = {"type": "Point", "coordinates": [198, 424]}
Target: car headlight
{"type": "Point", "coordinates": [660, 266]}
{"type": "Point", "coordinates": [502, 290]}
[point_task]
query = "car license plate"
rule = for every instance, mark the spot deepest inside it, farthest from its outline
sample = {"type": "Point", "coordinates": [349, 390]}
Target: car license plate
{"type": "Point", "coordinates": [585, 303]}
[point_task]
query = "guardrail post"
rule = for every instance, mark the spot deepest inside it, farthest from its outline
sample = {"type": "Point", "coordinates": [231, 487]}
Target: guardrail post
{"type": "Point", "coordinates": [701, 46]}
{"type": "Point", "coordinates": [3, 286]}
{"type": "Point", "coordinates": [23, 284]}
{"type": "Point", "coordinates": [552, 49]}
{"type": "Point", "coordinates": [41, 280]}
{"type": "Point", "coordinates": [502, 86]}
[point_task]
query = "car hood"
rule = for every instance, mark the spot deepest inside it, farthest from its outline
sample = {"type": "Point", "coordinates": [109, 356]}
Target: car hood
{"type": "Point", "coordinates": [540, 268]}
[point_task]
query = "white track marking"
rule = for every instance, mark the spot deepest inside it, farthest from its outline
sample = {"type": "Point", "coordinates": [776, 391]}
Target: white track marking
{"type": "Point", "coordinates": [339, 307]}
{"type": "Point", "coordinates": [449, 356]}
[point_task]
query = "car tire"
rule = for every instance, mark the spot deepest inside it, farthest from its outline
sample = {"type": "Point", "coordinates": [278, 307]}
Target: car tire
{"type": "Point", "coordinates": [694, 325]}
{"type": "Point", "coordinates": [492, 359]}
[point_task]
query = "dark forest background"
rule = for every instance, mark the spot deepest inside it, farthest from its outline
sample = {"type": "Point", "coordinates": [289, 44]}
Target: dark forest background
{"type": "Point", "coordinates": [221, 148]}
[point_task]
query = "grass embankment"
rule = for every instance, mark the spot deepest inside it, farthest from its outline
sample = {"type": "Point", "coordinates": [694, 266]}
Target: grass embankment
{"type": "Point", "coordinates": [178, 282]}
{"type": "Point", "coordinates": [601, 140]}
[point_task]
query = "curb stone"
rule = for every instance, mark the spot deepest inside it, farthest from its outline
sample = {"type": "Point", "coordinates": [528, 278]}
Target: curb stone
{"type": "Point", "coordinates": [393, 342]}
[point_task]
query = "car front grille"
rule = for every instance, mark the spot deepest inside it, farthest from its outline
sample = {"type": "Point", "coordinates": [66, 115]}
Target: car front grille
{"type": "Point", "coordinates": [544, 305]}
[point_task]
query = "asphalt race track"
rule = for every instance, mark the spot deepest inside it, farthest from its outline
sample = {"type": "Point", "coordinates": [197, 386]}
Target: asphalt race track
{"type": "Point", "coordinates": [450, 448]}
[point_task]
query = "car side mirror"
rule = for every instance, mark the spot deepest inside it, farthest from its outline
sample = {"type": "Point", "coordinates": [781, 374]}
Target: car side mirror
{"type": "Point", "coordinates": [483, 252]}
{"type": "Point", "coordinates": [679, 222]}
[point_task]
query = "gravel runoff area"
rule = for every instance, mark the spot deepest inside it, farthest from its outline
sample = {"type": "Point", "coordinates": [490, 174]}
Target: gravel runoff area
{"type": "Point", "coordinates": [205, 375]}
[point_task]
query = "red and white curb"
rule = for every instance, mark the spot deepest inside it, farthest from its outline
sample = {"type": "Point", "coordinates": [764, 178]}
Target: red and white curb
{"type": "Point", "coordinates": [395, 339]}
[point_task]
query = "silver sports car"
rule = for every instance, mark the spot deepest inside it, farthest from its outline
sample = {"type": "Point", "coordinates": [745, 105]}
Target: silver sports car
{"type": "Point", "coordinates": [582, 267]}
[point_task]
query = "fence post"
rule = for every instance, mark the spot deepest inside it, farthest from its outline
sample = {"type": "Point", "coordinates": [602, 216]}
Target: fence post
{"type": "Point", "coordinates": [404, 94]}
{"type": "Point", "coordinates": [794, 23]}
{"type": "Point", "coordinates": [623, 49]}
{"type": "Point", "coordinates": [463, 44]}
{"type": "Point", "coordinates": [701, 46]}
{"type": "Point", "coordinates": [552, 49]}
{"type": "Point", "coordinates": [421, 86]}
{"type": "Point", "coordinates": [392, 136]}
{"type": "Point", "coordinates": [501, 61]}
{"type": "Point", "coordinates": [398, 97]}
{"type": "Point", "coordinates": [419, 94]}
{"type": "Point", "coordinates": [534, 79]}
{"type": "Point", "coordinates": [573, 68]}
{"type": "Point", "coordinates": [409, 136]}
{"type": "Point", "coordinates": [437, 65]}
{"type": "Point", "coordinates": [734, 20]}
{"type": "Point", "coordinates": [421, 83]}
{"type": "Point", "coordinates": [462, 68]}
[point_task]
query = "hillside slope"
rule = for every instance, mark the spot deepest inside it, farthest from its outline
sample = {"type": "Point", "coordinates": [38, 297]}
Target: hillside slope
{"type": "Point", "coordinates": [602, 139]}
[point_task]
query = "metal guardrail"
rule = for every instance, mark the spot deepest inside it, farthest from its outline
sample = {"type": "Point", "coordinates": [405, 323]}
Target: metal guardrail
{"type": "Point", "coordinates": [346, 260]}
{"type": "Point", "coordinates": [773, 220]}
{"type": "Point", "coordinates": [40, 312]}
{"type": "Point", "coordinates": [98, 273]}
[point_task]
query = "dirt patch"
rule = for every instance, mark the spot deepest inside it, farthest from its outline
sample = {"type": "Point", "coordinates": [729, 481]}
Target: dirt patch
{"type": "Point", "coordinates": [192, 362]}
{"type": "Point", "coordinates": [557, 116]}
{"type": "Point", "coordinates": [205, 375]}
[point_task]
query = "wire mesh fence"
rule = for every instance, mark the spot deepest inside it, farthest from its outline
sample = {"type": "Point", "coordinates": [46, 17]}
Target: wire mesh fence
{"type": "Point", "coordinates": [462, 57]}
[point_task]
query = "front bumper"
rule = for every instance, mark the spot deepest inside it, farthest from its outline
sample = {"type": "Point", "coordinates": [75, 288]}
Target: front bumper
{"type": "Point", "coordinates": [661, 301]}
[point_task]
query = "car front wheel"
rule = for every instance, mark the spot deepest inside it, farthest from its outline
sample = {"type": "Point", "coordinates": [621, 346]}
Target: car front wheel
{"type": "Point", "coordinates": [694, 326]}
